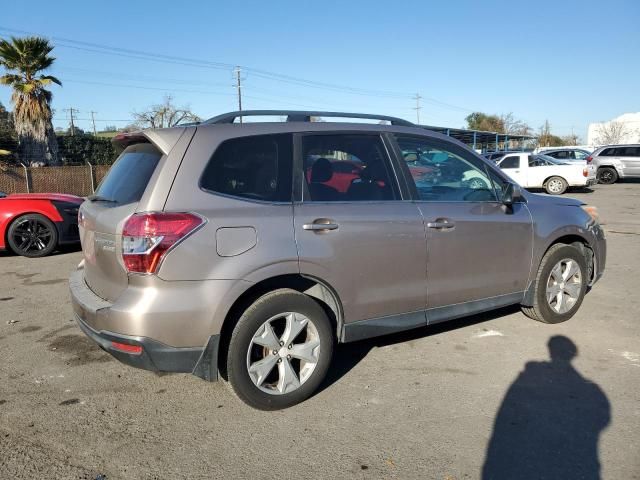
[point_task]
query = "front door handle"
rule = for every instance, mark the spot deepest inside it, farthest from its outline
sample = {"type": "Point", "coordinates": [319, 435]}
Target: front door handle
{"type": "Point", "coordinates": [441, 224]}
{"type": "Point", "coordinates": [320, 225]}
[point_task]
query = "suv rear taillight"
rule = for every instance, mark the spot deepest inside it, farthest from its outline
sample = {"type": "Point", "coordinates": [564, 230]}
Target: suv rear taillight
{"type": "Point", "coordinates": [589, 159]}
{"type": "Point", "coordinates": [148, 237]}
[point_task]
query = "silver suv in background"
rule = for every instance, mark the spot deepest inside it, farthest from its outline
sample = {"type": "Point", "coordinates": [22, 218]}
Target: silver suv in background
{"type": "Point", "coordinates": [614, 162]}
{"type": "Point", "coordinates": [250, 249]}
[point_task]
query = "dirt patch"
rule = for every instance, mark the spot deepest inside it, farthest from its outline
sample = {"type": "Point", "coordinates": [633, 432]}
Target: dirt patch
{"type": "Point", "coordinates": [30, 328]}
{"type": "Point", "coordinates": [71, 401]}
{"type": "Point", "coordinates": [55, 332]}
{"type": "Point", "coordinates": [6, 299]}
{"type": "Point", "coordinates": [80, 350]}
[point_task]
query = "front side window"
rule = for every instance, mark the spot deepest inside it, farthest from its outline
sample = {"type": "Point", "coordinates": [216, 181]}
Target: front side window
{"type": "Point", "coordinates": [255, 168]}
{"type": "Point", "coordinates": [347, 168]}
{"type": "Point", "coordinates": [440, 174]}
{"type": "Point", "coordinates": [630, 152]}
{"type": "Point", "coordinates": [510, 162]}
{"type": "Point", "coordinates": [580, 155]}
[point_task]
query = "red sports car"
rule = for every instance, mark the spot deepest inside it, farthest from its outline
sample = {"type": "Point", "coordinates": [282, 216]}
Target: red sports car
{"type": "Point", "coordinates": [34, 224]}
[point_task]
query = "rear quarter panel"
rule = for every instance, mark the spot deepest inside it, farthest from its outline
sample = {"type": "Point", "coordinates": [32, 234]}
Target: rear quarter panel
{"type": "Point", "coordinates": [10, 209]}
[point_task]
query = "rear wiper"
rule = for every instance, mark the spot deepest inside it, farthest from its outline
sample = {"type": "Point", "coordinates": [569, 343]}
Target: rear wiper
{"type": "Point", "coordinates": [98, 198]}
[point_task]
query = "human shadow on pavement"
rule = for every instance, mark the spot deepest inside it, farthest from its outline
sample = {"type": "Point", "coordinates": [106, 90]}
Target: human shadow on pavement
{"type": "Point", "coordinates": [549, 423]}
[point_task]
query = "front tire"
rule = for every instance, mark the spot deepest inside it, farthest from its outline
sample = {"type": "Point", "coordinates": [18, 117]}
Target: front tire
{"type": "Point", "coordinates": [560, 285]}
{"type": "Point", "coordinates": [280, 350]}
{"type": "Point", "coordinates": [607, 175]}
{"type": "Point", "coordinates": [556, 186]}
{"type": "Point", "coordinates": [32, 235]}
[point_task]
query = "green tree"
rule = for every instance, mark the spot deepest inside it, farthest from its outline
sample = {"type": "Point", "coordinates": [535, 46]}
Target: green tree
{"type": "Point", "coordinates": [8, 138]}
{"type": "Point", "coordinates": [24, 59]}
{"type": "Point", "coordinates": [485, 122]}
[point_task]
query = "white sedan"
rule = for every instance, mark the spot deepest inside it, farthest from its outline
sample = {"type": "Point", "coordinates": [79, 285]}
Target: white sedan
{"type": "Point", "coordinates": [541, 171]}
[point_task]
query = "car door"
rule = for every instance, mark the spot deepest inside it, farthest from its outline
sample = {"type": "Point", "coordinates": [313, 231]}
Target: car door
{"type": "Point", "coordinates": [516, 168]}
{"type": "Point", "coordinates": [479, 250]}
{"type": "Point", "coordinates": [362, 238]}
{"type": "Point", "coordinates": [630, 159]}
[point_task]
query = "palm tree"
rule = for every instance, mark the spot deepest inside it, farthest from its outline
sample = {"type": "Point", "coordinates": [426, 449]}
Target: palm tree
{"type": "Point", "coordinates": [24, 59]}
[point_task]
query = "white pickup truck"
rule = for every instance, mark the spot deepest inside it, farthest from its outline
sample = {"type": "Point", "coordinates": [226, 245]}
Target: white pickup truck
{"type": "Point", "coordinates": [541, 171]}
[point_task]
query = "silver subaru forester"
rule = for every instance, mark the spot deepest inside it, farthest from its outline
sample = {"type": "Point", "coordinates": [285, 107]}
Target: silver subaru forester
{"type": "Point", "coordinates": [248, 249]}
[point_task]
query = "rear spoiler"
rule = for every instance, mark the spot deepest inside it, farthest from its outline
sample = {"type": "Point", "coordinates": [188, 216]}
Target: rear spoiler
{"type": "Point", "coordinates": [164, 139]}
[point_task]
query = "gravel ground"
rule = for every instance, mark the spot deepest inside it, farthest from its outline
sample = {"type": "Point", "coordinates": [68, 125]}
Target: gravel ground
{"type": "Point", "coordinates": [438, 403]}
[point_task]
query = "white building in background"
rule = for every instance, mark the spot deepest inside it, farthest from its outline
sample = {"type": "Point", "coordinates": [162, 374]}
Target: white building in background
{"type": "Point", "coordinates": [630, 129]}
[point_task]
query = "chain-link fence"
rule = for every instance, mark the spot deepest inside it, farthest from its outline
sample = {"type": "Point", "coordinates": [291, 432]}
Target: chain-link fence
{"type": "Point", "coordinates": [77, 180]}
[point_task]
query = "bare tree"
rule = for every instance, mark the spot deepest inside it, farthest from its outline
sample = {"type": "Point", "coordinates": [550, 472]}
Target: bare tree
{"type": "Point", "coordinates": [572, 139]}
{"type": "Point", "coordinates": [513, 126]}
{"type": "Point", "coordinates": [612, 132]}
{"type": "Point", "coordinates": [164, 115]}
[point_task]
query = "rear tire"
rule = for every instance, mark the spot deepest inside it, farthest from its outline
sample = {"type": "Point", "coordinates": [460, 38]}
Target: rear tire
{"type": "Point", "coordinates": [32, 235]}
{"type": "Point", "coordinates": [607, 175]}
{"type": "Point", "coordinates": [556, 186]}
{"type": "Point", "coordinates": [556, 298]}
{"type": "Point", "coordinates": [280, 350]}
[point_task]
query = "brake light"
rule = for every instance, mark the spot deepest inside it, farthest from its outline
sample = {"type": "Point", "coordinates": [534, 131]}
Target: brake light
{"type": "Point", "coordinates": [148, 237]}
{"type": "Point", "coordinates": [585, 172]}
{"type": "Point", "coordinates": [589, 159]}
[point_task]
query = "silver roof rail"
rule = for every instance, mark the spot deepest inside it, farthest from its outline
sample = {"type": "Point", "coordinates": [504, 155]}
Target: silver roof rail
{"type": "Point", "coordinates": [303, 116]}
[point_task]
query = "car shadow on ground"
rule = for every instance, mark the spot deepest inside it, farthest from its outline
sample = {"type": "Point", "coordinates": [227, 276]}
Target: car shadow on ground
{"type": "Point", "coordinates": [549, 423]}
{"type": "Point", "coordinates": [347, 356]}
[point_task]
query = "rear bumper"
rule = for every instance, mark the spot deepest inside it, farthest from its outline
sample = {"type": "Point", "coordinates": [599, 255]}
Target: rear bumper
{"type": "Point", "coordinates": [152, 354]}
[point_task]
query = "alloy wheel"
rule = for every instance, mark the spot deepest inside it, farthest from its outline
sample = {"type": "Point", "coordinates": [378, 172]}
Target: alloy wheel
{"type": "Point", "coordinates": [31, 235]}
{"type": "Point", "coordinates": [283, 353]}
{"type": "Point", "coordinates": [564, 285]}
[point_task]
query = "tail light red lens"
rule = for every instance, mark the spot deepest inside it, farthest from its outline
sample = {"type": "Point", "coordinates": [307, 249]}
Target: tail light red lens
{"type": "Point", "coordinates": [126, 348]}
{"type": "Point", "coordinates": [585, 172]}
{"type": "Point", "coordinates": [148, 237]}
{"type": "Point", "coordinates": [589, 159]}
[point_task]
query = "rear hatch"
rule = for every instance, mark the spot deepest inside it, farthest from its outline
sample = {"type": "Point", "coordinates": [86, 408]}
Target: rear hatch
{"type": "Point", "coordinates": [102, 217]}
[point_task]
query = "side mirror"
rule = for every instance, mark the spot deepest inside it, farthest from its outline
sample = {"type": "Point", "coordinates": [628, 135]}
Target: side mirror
{"type": "Point", "coordinates": [512, 194]}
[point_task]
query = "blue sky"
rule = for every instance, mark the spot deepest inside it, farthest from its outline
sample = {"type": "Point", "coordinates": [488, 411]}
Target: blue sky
{"type": "Point", "coordinates": [572, 62]}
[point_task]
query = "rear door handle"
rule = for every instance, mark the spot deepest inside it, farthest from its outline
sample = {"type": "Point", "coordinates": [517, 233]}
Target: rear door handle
{"type": "Point", "coordinates": [320, 225]}
{"type": "Point", "coordinates": [441, 224]}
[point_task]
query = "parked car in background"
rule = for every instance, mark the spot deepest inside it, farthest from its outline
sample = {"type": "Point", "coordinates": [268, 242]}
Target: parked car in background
{"type": "Point", "coordinates": [586, 148]}
{"type": "Point", "coordinates": [540, 171]}
{"type": "Point", "coordinates": [495, 156]}
{"type": "Point", "coordinates": [569, 155]}
{"type": "Point", "coordinates": [614, 162]}
{"type": "Point", "coordinates": [35, 224]}
{"type": "Point", "coordinates": [218, 247]}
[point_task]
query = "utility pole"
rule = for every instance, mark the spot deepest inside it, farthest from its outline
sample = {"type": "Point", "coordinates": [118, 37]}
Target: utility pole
{"type": "Point", "coordinates": [237, 71]}
{"type": "Point", "coordinates": [93, 121]}
{"type": "Point", "coordinates": [417, 108]}
{"type": "Point", "coordinates": [73, 127]}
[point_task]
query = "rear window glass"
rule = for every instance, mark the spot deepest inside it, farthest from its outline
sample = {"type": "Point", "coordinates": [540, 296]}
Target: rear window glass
{"type": "Point", "coordinates": [130, 174]}
{"type": "Point", "coordinates": [256, 168]}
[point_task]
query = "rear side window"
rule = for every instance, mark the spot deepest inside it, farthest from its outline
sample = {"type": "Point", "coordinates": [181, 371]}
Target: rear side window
{"type": "Point", "coordinates": [608, 152]}
{"type": "Point", "coordinates": [256, 168]}
{"type": "Point", "coordinates": [128, 177]}
{"type": "Point", "coordinates": [511, 162]}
